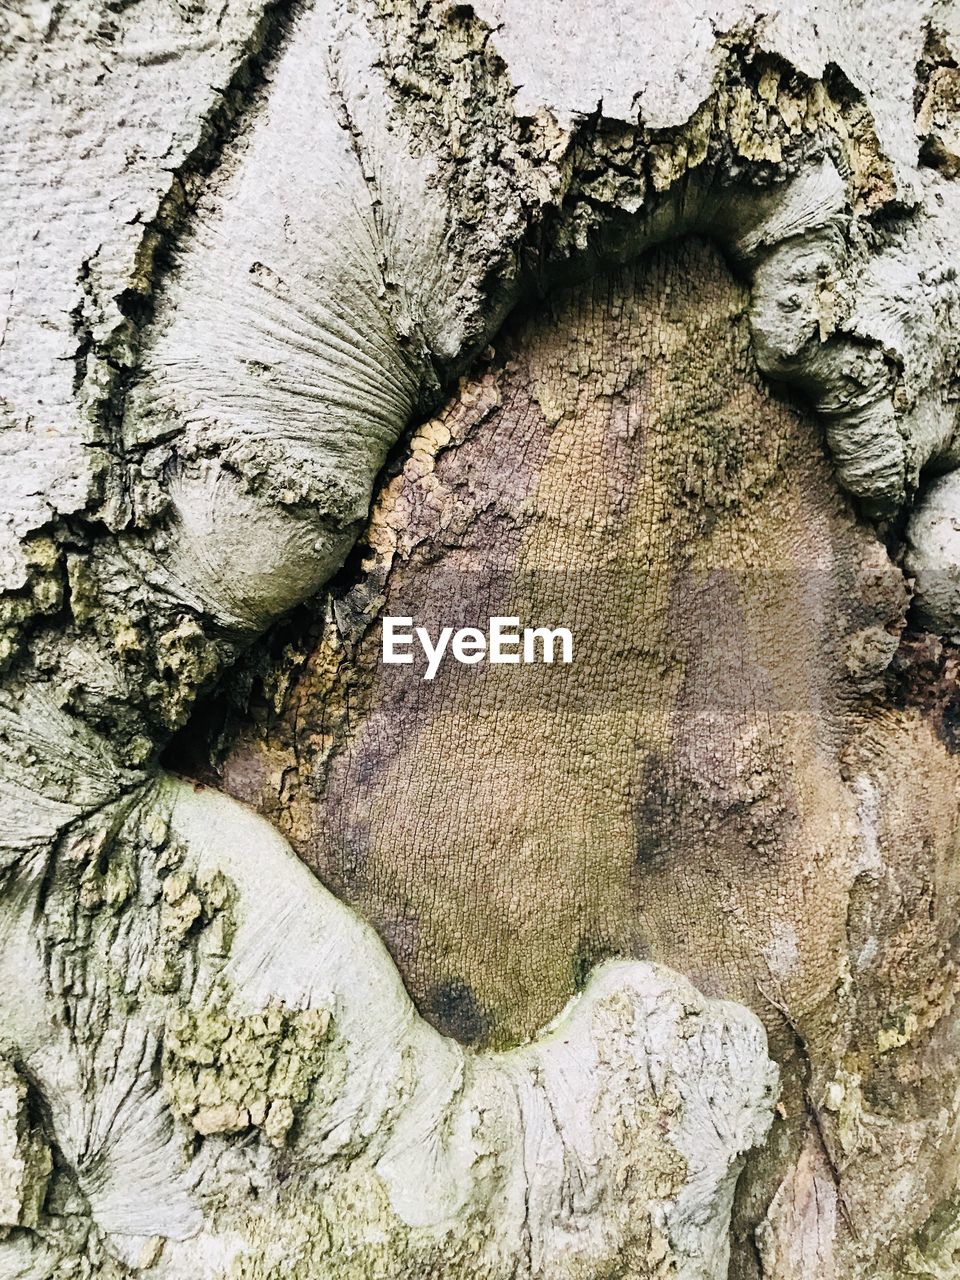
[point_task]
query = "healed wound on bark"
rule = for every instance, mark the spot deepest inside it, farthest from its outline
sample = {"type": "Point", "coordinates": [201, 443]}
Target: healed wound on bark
{"type": "Point", "coordinates": [617, 466]}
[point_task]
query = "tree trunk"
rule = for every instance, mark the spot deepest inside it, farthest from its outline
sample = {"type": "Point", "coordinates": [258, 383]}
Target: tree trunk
{"type": "Point", "coordinates": [638, 322]}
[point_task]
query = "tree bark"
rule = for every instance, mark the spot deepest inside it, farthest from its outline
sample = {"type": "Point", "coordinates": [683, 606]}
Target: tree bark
{"type": "Point", "coordinates": [637, 322]}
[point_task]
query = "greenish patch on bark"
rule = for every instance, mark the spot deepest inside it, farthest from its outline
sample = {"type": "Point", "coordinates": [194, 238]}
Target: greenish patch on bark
{"type": "Point", "coordinates": [225, 1073]}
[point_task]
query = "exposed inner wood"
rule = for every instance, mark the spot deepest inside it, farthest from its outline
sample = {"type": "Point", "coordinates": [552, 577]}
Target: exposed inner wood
{"type": "Point", "coordinates": [721, 781]}
{"type": "Point", "coordinates": [689, 789]}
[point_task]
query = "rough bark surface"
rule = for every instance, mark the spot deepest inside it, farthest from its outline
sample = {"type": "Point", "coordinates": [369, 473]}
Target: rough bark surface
{"type": "Point", "coordinates": [618, 468]}
{"type": "Point", "coordinates": [245, 249]}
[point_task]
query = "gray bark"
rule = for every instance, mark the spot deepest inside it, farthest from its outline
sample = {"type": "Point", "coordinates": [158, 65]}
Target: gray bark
{"type": "Point", "coordinates": [245, 251]}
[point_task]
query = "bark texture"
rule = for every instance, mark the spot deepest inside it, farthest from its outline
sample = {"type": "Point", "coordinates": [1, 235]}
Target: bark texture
{"type": "Point", "coordinates": [245, 250]}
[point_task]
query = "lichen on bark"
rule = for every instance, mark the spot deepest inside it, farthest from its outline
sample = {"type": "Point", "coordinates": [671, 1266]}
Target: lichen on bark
{"type": "Point", "coordinates": [225, 1074]}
